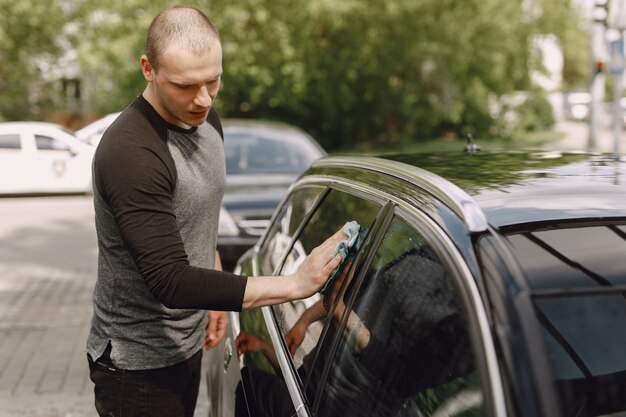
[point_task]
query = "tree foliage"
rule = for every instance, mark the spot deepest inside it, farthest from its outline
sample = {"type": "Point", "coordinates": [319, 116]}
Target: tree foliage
{"type": "Point", "coordinates": [29, 43]}
{"type": "Point", "coordinates": [348, 71]}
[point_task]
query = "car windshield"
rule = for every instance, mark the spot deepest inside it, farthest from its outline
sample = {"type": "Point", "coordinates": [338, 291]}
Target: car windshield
{"type": "Point", "coordinates": [251, 154]}
{"type": "Point", "coordinates": [578, 278]}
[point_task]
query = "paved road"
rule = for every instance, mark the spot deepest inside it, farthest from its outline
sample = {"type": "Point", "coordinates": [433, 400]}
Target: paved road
{"type": "Point", "coordinates": [47, 272]}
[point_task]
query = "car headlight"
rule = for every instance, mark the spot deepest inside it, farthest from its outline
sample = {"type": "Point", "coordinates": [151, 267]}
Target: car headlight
{"type": "Point", "coordinates": [227, 226]}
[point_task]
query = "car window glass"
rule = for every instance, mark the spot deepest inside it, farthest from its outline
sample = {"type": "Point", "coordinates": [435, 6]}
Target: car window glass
{"type": "Point", "coordinates": [572, 256]}
{"type": "Point", "coordinates": [333, 212]}
{"type": "Point", "coordinates": [280, 234]}
{"type": "Point", "coordinates": [50, 144]}
{"type": "Point", "coordinates": [577, 276]}
{"type": "Point", "coordinates": [585, 337]}
{"type": "Point", "coordinates": [262, 390]}
{"type": "Point", "coordinates": [404, 346]}
{"type": "Point", "coordinates": [10, 142]}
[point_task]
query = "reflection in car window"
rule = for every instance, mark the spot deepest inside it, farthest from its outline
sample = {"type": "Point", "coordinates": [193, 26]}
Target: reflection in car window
{"type": "Point", "coordinates": [10, 142]}
{"type": "Point", "coordinates": [334, 211]}
{"type": "Point", "coordinates": [262, 390]}
{"type": "Point", "coordinates": [288, 219]}
{"type": "Point", "coordinates": [246, 154]}
{"type": "Point", "coordinates": [266, 392]}
{"type": "Point", "coordinates": [51, 144]}
{"type": "Point", "coordinates": [404, 347]}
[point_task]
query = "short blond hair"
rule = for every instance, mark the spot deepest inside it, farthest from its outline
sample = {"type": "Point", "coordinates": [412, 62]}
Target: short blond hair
{"type": "Point", "coordinates": [181, 25]}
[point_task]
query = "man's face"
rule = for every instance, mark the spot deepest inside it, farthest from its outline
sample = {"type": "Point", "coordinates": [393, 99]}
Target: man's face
{"type": "Point", "coordinates": [184, 86]}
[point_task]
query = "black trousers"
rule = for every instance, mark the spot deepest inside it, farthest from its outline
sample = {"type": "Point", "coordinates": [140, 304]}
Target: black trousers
{"type": "Point", "coordinates": [164, 392]}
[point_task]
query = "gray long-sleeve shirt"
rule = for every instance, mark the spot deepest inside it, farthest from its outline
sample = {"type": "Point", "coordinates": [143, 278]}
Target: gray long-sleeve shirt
{"type": "Point", "coordinates": [157, 196]}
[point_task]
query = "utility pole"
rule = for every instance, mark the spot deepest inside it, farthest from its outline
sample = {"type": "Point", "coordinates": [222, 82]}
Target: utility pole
{"type": "Point", "coordinates": [598, 56]}
{"type": "Point", "coordinates": [616, 69]}
{"type": "Point", "coordinates": [616, 19]}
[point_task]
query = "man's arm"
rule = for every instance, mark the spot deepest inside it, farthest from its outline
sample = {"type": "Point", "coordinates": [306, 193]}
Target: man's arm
{"type": "Point", "coordinates": [295, 335]}
{"type": "Point", "coordinates": [217, 320]}
{"type": "Point", "coordinates": [309, 278]}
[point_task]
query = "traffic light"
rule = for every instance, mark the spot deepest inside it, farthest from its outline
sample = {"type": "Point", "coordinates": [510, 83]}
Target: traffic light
{"type": "Point", "coordinates": [599, 66]}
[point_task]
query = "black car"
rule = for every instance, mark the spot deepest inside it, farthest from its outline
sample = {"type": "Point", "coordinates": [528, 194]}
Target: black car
{"type": "Point", "coordinates": [263, 159]}
{"type": "Point", "coordinates": [490, 284]}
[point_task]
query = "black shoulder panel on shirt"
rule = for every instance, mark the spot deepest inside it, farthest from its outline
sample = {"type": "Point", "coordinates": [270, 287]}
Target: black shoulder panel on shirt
{"type": "Point", "coordinates": [214, 120]}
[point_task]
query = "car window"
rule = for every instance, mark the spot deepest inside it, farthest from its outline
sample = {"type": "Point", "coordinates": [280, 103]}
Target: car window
{"type": "Point", "coordinates": [403, 346]}
{"type": "Point", "coordinates": [585, 336]}
{"type": "Point", "coordinates": [50, 144]}
{"type": "Point", "coordinates": [333, 212]}
{"type": "Point", "coordinates": [281, 232]}
{"type": "Point", "coordinates": [248, 154]}
{"type": "Point", "coordinates": [562, 256]}
{"type": "Point", "coordinates": [10, 141]}
{"type": "Point", "coordinates": [577, 275]}
{"type": "Point", "coordinates": [262, 390]}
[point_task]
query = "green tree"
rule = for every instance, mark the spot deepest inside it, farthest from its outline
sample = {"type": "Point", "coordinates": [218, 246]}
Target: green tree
{"type": "Point", "coordinates": [30, 35]}
{"type": "Point", "coordinates": [347, 72]}
{"type": "Point", "coordinates": [110, 41]}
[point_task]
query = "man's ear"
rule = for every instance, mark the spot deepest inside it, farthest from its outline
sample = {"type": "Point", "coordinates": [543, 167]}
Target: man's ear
{"type": "Point", "coordinates": [147, 69]}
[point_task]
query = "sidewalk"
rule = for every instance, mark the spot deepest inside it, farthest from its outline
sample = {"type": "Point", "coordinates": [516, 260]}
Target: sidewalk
{"type": "Point", "coordinates": [576, 133]}
{"type": "Point", "coordinates": [47, 273]}
{"type": "Point", "coordinates": [576, 137]}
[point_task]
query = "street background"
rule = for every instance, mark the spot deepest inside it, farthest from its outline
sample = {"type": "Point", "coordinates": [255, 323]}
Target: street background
{"type": "Point", "coordinates": [47, 272]}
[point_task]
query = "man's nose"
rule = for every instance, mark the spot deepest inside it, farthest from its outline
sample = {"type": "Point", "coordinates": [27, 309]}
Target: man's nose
{"type": "Point", "coordinates": [203, 98]}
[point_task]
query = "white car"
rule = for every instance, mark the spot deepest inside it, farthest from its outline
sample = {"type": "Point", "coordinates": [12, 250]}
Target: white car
{"type": "Point", "coordinates": [92, 133]}
{"type": "Point", "coordinates": [43, 158]}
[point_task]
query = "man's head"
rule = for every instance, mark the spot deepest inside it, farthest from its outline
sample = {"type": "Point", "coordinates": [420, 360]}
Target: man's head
{"type": "Point", "coordinates": [183, 65]}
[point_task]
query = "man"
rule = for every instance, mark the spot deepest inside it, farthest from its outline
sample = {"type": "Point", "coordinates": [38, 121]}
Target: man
{"type": "Point", "coordinates": [158, 183]}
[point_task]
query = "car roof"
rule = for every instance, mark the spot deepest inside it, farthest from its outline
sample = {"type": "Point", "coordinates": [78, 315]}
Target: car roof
{"type": "Point", "coordinates": [275, 129]}
{"type": "Point", "coordinates": [506, 189]}
{"type": "Point", "coordinates": [231, 122]}
{"type": "Point", "coordinates": [37, 125]}
{"type": "Point", "coordinates": [97, 125]}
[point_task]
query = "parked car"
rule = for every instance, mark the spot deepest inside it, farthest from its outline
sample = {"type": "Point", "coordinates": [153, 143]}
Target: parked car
{"type": "Point", "coordinates": [92, 133]}
{"type": "Point", "coordinates": [491, 284]}
{"type": "Point", "coordinates": [37, 157]}
{"type": "Point", "coordinates": [576, 105]}
{"type": "Point", "coordinates": [262, 160]}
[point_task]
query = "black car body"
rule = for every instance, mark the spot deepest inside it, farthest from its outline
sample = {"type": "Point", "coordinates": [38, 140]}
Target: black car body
{"type": "Point", "coordinates": [263, 159]}
{"type": "Point", "coordinates": [491, 284]}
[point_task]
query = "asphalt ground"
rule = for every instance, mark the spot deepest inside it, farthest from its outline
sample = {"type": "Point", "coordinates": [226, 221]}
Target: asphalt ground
{"type": "Point", "coordinates": [47, 274]}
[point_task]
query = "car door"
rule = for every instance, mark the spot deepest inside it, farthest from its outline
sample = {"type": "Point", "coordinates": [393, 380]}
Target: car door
{"type": "Point", "coordinates": [58, 165]}
{"type": "Point", "coordinates": [401, 332]}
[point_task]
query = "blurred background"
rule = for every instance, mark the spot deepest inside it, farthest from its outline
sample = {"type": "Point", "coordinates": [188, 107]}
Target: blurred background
{"type": "Point", "coordinates": [363, 73]}
{"type": "Point", "coordinates": [326, 76]}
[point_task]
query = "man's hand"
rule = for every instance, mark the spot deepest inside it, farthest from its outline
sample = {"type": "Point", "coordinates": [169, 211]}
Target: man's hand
{"type": "Point", "coordinates": [320, 264]}
{"type": "Point", "coordinates": [295, 336]}
{"type": "Point", "coordinates": [309, 278]}
{"type": "Point", "coordinates": [215, 328]}
{"type": "Point", "coordinates": [248, 342]}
